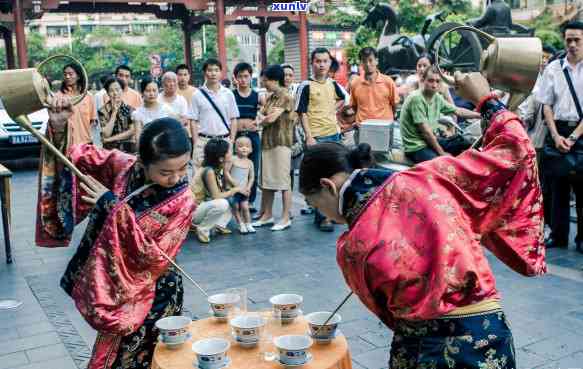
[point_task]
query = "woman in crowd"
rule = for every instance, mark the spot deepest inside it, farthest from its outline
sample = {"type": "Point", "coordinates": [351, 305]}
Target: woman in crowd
{"type": "Point", "coordinates": [138, 208]}
{"type": "Point", "coordinates": [413, 82]}
{"type": "Point", "coordinates": [152, 108]}
{"type": "Point", "coordinates": [413, 250]}
{"type": "Point", "coordinates": [118, 130]}
{"type": "Point", "coordinates": [277, 121]}
{"type": "Point", "coordinates": [213, 211]}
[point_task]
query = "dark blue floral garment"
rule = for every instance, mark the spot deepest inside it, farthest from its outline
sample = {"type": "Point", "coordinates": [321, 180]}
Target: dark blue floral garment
{"type": "Point", "coordinates": [479, 341]}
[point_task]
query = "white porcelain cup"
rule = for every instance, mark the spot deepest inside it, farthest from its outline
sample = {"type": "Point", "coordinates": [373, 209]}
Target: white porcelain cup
{"type": "Point", "coordinates": [318, 331]}
{"type": "Point", "coordinates": [222, 303]}
{"type": "Point", "coordinates": [173, 329]}
{"type": "Point", "coordinates": [211, 353]}
{"type": "Point", "coordinates": [247, 329]}
{"type": "Point", "coordinates": [288, 304]}
{"type": "Point", "coordinates": [293, 349]}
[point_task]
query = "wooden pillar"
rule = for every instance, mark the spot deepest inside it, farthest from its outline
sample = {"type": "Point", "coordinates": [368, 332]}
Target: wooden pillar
{"type": "Point", "coordinates": [187, 29]}
{"type": "Point", "coordinates": [263, 42]}
{"type": "Point", "coordinates": [303, 46]}
{"type": "Point", "coordinates": [220, 13]}
{"type": "Point", "coordinates": [19, 31]}
{"type": "Point", "coordinates": [9, 47]}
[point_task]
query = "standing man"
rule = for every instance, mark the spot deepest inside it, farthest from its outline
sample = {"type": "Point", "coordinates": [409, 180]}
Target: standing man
{"type": "Point", "coordinates": [419, 120]}
{"type": "Point", "coordinates": [184, 88]}
{"type": "Point", "coordinates": [565, 121]}
{"type": "Point", "coordinates": [84, 117]}
{"type": "Point", "coordinates": [248, 103]}
{"type": "Point", "coordinates": [316, 105]}
{"type": "Point", "coordinates": [375, 96]}
{"type": "Point", "coordinates": [214, 110]}
{"type": "Point", "coordinates": [129, 96]}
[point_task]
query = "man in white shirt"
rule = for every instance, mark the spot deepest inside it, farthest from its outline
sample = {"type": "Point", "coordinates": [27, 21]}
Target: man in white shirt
{"type": "Point", "coordinates": [566, 128]}
{"type": "Point", "coordinates": [178, 104]}
{"type": "Point", "coordinates": [210, 123]}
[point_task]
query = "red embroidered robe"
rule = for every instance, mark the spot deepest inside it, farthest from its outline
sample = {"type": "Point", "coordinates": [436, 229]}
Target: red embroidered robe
{"type": "Point", "coordinates": [116, 288]}
{"type": "Point", "coordinates": [415, 251]}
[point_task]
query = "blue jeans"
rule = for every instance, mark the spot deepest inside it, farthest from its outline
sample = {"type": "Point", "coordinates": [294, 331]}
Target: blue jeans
{"type": "Point", "coordinates": [255, 157]}
{"type": "Point", "coordinates": [319, 217]}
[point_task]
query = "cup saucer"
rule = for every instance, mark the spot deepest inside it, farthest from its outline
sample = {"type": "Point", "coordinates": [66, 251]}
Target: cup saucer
{"type": "Point", "coordinates": [226, 365]}
{"type": "Point", "coordinates": [172, 345]}
{"type": "Point", "coordinates": [309, 358]}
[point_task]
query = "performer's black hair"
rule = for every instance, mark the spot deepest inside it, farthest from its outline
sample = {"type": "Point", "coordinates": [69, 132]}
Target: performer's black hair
{"type": "Point", "coordinates": [80, 76]}
{"type": "Point", "coordinates": [162, 139]}
{"type": "Point", "coordinates": [326, 159]}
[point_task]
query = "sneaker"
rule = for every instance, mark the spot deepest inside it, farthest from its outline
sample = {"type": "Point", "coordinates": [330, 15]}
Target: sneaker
{"type": "Point", "coordinates": [223, 230]}
{"type": "Point", "coordinates": [243, 228]}
{"type": "Point", "coordinates": [307, 210]}
{"type": "Point", "coordinates": [257, 216]}
{"type": "Point", "coordinates": [250, 228]}
{"type": "Point", "coordinates": [253, 210]}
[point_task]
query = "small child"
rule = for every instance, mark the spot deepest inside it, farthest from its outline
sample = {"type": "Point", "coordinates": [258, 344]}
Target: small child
{"type": "Point", "coordinates": [239, 172]}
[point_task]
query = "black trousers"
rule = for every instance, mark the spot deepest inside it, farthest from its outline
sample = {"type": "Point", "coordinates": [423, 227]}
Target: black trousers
{"type": "Point", "coordinates": [561, 198]}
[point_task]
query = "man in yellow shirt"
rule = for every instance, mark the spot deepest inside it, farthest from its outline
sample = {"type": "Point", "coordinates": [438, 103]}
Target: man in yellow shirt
{"type": "Point", "coordinates": [316, 107]}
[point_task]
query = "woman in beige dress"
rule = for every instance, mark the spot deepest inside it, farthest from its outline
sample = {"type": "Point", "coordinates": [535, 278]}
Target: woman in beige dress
{"type": "Point", "coordinates": [277, 120]}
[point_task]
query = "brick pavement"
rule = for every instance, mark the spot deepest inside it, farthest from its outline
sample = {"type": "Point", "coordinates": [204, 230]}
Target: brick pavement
{"type": "Point", "coordinates": [546, 314]}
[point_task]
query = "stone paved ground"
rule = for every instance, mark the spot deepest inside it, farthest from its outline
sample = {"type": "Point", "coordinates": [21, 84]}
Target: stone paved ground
{"type": "Point", "coordinates": [546, 313]}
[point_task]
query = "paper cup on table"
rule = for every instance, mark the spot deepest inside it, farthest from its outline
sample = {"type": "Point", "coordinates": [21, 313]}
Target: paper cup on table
{"type": "Point", "coordinates": [288, 305]}
{"type": "Point", "coordinates": [173, 330]}
{"type": "Point", "coordinates": [318, 331]}
{"type": "Point", "coordinates": [211, 353]}
{"type": "Point", "coordinates": [222, 303]}
{"type": "Point", "coordinates": [293, 349]}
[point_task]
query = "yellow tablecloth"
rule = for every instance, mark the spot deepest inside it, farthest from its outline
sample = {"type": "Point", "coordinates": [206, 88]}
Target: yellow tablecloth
{"type": "Point", "coordinates": [332, 356]}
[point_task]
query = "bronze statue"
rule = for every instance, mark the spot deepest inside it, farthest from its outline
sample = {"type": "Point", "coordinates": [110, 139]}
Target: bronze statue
{"type": "Point", "coordinates": [498, 14]}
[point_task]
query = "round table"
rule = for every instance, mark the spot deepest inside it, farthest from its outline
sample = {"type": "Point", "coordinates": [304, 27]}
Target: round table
{"type": "Point", "coordinates": [331, 356]}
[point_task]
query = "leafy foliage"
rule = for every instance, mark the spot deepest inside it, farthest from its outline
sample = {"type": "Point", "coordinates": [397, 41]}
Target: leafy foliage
{"type": "Point", "coordinates": [101, 50]}
{"type": "Point", "coordinates": [275, 55]}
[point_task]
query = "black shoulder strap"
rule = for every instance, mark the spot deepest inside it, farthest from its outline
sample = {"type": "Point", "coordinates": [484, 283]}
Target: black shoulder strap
{"type": "Point", "coordinates": [572, 89]}
{"type": "Point", "coordinates": [216, 109]}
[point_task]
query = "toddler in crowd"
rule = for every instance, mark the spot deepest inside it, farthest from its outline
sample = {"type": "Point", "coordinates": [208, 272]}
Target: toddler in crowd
{"type": "Point", "coordinates": [239, 172]}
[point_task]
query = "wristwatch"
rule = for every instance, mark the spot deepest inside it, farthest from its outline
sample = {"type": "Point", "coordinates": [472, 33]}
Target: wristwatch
{"type": "Point", "coordinates": [572, 138]}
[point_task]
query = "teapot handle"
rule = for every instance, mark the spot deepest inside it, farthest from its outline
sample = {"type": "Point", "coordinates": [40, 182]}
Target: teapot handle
{"type": "Point", "coordinates": [76, 99]}
{"type": "Point", "coordinates": [448, 79]}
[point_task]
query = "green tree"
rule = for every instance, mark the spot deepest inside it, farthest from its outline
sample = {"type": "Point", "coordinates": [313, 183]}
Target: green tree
{"type": "Point", "coordinates": [276, 53]}
{"type": "Point", "coordinates": [411, 16]}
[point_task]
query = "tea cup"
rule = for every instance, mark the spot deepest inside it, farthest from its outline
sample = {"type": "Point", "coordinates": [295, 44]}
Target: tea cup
{"type": "Point", "coordinates": [222, 303]}
{"type": "Point", "coordinates": [293, 349]}
{"type": "Point", "coordinates": [318, 331]}
{"type": "Point", "coordinates": [288, 304]}
{"type": "Point", "coordinates": [174, 329]}
{"type": "Point", "coordinates": [211, 353]}
{"type": "Point", "coordinates": [247, 329]}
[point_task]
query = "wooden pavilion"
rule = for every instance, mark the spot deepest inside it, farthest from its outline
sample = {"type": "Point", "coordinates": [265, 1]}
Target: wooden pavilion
{"type": "Point", "coordinates": [191, 13]}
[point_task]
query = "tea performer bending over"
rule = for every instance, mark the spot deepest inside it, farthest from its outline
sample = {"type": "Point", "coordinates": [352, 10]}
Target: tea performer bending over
{"type": "Point", "coordinates": [120, 282]}
{"type": "Point", "coordinates": [413, 250]}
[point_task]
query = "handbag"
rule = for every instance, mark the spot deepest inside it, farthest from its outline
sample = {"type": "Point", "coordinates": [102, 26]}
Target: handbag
{"type": "Point", "coordinates": [571, 163]}
{"type": "Point", "coordinates": [210, 100]}
{"type": "Point", "coordinates": [299, 140]}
